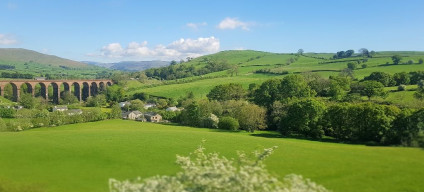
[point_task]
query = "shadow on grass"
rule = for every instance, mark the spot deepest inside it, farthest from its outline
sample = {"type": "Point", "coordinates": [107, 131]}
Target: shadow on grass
{"type": "Point", "coordinates": [324, 139]}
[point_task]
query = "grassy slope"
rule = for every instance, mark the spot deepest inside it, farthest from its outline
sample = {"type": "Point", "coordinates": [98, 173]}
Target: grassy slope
{"type": "Point", "coordinates": [82, 157]}
{"type": "Point", "coordinates": [27, 61]}
{"type": "Point", "coordinates": [274, 61]}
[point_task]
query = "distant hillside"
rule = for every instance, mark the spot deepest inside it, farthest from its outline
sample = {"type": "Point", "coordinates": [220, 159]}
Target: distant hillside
{"type": "Point", "coordinates": [29, 56]}
{"type": "Point", "coordinates": [131, 65]}
{"type": "Point", "coordinates": [37, 64]}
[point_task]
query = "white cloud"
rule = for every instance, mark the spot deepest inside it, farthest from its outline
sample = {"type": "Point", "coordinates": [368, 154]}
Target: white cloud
{"type": "Point", "coordinates": [234, 23]}
{"type": "Point", "coordinates": [178, 49]}
{"type": "Point", "coordinates": [7, 40]}
{"type": "Point", "coordinates": [196, 26]}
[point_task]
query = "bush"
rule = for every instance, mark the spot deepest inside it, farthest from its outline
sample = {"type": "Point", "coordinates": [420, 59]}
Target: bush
{"type": "Point", "coordinates": [364, 66]}
{"type": "Point", "coordinates": [401, 88]}
{"type": "Point", "coordinates": [411, 61]}
{"type": "Point", "coordinates": [228, 123]}
{"type": "Point", "coordinates": [7, 112]}
{"type": "Point", "coordinates": [420, 61]}
{"type": "Point", "coordinates": [211, 172]}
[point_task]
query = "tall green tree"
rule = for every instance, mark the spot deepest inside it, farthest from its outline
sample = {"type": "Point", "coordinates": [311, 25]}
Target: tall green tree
{"type": "Point", "coordinates": [372, 89]}
{"type": "Point", "coordinates": [396, 59]}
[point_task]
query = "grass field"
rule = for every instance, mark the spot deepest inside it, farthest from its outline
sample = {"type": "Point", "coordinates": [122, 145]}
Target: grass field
{"type": "Point", "coordinates": [82, 157]}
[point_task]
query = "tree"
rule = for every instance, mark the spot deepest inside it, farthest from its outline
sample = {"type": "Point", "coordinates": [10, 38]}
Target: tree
{"type": "Point", "coordinates": [401, 78]}
{"type": "Point", "coordinates": [382, 77]}
{"type": "Point", "coordinates": [96, 101]}
{"type": "Point", "coordinates": [27, 101]}
{"type": "Point", "coordinates": [396, 59]}
{"type": "Point", "coordinates": [115, 113]}
{"type": "Point", "coordinates": [300, 52]}
{"type": "Point", "coordinates": [303, 117]}
{"type": "Point", "coordinates": [136, 104]}
{"type": "Point", "coordinates": [294, 86]}
{"type": "Point", "coordinates": [352, 66]}
{"type": "Point", "coordinates": [372, 89]}
{"type": "Point", "coordinates": [339, 87]}
{"type": "Point", "coordinates": [173, 62]}
{"type": "Point", "coordinates": [267, 93]}
{"type": "Point", "coordinates": [349, 53]}
{"type": "Point", "coordinates": [231, 91]}
{"type": "Point", "coordinates": [364, 52]}
{"type": "Point", "coordinates": [68, 98]}
{"type": "Point", "coordinates": [114, 93]}
{"type": "Point", "coordinates": [420, 61]}
{"type": "Point", "coordinates": [233, 70]}
{"type": "Point", "coordinates": [420, 91]}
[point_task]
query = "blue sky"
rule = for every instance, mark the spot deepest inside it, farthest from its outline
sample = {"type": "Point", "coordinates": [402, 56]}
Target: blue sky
{"type": "Point", "coordinates": [117, 30]}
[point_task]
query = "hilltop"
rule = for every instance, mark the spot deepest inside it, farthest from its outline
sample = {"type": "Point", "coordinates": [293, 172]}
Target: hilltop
{"type": "Point", "coordinates": [14, 60]}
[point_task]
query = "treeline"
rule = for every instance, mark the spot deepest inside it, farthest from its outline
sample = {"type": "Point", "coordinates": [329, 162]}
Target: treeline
{"type": "Point", "coordinates": [290, 106]}
{"type": "Point", "coordinates": [17, 75]}
{"type": "Point", "coordinates": [401, 78]}
{"type": "Point", "coordinates": [178, 71]}
{"type": "Point", "coordinates": [5, 67]}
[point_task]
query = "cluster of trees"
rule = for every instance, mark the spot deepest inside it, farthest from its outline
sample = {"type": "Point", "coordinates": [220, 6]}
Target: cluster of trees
{"type": "Point", "coordinates": [16, 75]}
{"type": "Point", "coordinates": [343, 54]}
{"type": "Point", "coordinates": [401, 78]}
{"type": "Point", "coordinates": [227, 114]}
{"type": "Point", "coordinates": [363, 122]}
{"type": "Point", "coordinates": [178, 71]}
{"type": "Point", "coordinates": [5, 67]}
{"type": "Point", "coordinates": [272, 71]}
{"type": "Point", "coordinates": [397, 60]}
{"type": "Point", "coordinates": [290, 106]}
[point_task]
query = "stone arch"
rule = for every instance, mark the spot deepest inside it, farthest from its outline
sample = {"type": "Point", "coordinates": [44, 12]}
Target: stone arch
{"type": "Point", "coordinates": [11, 91]}
{"type": "Point", "coordinates": [27, 88]}
{"type": "Point", "coordinates": [55, 92]}
{"type": "Point", "coordinates": [67, 87]}
{"type": "Point", "coordinates": [85, 91]}
{"type": "Point", "coordinates": [41, 90]}
{"type": "Point", "coordinates": [77, 90]}
{"type": "Point", "coordinates": [109, 83]}
{"type": "Point", "coordinates": [94, 89]}
{"type": "Point", "coordinates": [102, 87]}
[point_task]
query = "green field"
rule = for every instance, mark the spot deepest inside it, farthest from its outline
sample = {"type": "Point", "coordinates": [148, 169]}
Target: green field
{"type": "Point", "coordinates": [250, 61]}
{"type": "Point", "coordinates": [82, 157]}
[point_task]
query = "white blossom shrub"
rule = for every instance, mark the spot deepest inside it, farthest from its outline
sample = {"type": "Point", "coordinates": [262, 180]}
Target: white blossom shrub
{"type": "Point", "coordinates": [211, 172]}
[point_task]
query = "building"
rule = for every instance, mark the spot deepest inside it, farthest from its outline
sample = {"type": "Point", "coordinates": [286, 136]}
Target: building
{"type": "Point", "coordinates": [123, 104]}
{"type": "Point", "coordinates": [172, 109]}
{"type": "Point", "coordinates": [60, 108]}
{"type": "Point", "coordinates": [133, 115]}
{"type": "Point", "coordinates": [149, 105]}
{"type": "Point", "coordinates": [153, 117]}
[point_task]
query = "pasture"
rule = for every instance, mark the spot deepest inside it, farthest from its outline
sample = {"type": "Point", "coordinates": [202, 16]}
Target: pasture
{"type": "Point", "coordinates": [82, 157]}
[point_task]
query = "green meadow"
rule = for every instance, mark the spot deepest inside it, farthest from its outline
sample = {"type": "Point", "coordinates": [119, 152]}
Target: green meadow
{"type": "Point", "coordinates": [82, 157]}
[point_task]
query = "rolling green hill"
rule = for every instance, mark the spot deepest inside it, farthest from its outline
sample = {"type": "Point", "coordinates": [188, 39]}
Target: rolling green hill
{"type": "Point", "coordinates": [37, 64]}
{"type": "Point", "coordinates": [82, 157]}
{"type": "Point", "coordinates": [249, 61]}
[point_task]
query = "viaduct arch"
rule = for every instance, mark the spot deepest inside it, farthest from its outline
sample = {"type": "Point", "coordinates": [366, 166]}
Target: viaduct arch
{"type": "Point", "coordinates": [82, 89]}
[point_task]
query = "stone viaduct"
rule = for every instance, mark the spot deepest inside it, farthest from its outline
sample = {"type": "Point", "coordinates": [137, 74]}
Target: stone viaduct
{"type": "Point", "coordinates": [80, 88]}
